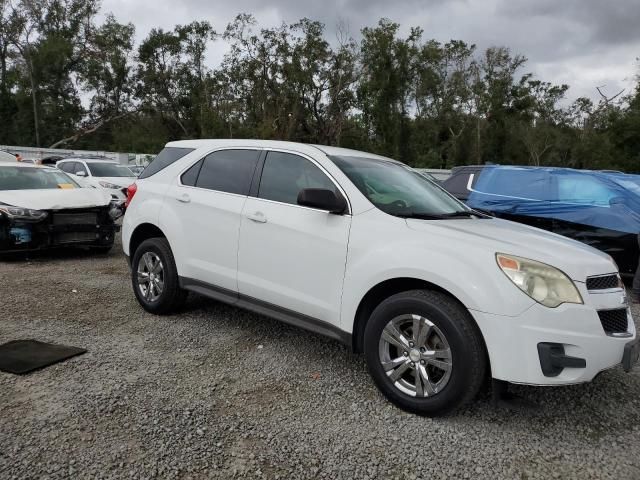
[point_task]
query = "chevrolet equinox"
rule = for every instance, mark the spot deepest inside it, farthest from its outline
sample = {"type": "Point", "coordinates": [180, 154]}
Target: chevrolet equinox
{"type": "Point", "coordinates": [363, 249]}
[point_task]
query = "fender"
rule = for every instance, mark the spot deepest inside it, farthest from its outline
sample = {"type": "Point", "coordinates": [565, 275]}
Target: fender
{"type": "Point", "coordinates": [407, 254]}
{"type": "Point", "coordinates": [152, 194]}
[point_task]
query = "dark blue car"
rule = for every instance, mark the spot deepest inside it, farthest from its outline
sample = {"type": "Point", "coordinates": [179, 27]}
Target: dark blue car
{"type": "Point", "coordinates": [601, 209]}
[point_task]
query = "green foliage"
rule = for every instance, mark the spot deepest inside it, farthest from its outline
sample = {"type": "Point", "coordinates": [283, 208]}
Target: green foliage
{"type": "Point", "coordinates": [67, 80]}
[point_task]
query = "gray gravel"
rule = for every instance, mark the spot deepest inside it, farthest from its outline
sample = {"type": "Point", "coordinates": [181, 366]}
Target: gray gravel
{"type": "Point", "coordinates": [218, 392]}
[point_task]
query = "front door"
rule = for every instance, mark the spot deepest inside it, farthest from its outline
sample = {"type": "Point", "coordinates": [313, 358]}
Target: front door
{"type": "Point", "coordinates": [292, 256]}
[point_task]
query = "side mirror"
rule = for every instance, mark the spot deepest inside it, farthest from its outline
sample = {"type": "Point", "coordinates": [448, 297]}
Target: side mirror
{"type": "Point", "coordinates": [322, 199]}
{"type": "Point", "coordinates": [81, 174]}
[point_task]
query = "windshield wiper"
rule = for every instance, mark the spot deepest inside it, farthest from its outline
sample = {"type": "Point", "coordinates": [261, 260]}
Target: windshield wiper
{"type": "Point", "coordinates": [462, 213]}
{"type": "Point", "coordinates": [442, 216]}
{"type": "Point", "coordinates": [420, 216]}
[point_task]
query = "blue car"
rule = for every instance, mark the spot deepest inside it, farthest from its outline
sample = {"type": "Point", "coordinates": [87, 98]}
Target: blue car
{"type": "Point", "coordinates": [601, 209]}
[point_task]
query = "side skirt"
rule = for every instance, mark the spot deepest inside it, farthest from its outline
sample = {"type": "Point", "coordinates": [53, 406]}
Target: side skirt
{"type": "Point", "coordinates": [267, 309]}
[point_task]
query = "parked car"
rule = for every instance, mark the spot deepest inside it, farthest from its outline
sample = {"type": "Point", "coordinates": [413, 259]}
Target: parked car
{"type": "Point", "coordinates": [363, 249]}
{"type": "Point", "coordinates": [100, 174]}
{"type": "Point", "coordinates": [42, 207]}
{"type": "Point", "coordinates": [596, 208]}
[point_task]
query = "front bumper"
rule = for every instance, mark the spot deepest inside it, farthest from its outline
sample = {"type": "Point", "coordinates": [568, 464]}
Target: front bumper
{"type": "Point", "coordinates": [51, 232]}
{"type": "Point", "coordinates": [513, 344]}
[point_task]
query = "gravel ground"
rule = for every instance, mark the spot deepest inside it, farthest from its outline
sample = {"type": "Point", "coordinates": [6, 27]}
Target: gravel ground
{"type": "Point", "coordinates": [218, 392]}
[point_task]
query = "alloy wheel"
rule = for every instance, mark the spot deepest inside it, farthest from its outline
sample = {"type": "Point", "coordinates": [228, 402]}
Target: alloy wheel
{"type": "Point", "coordinates": [415, 355]}
{"type": "Point", "coordinates": [150, 276]}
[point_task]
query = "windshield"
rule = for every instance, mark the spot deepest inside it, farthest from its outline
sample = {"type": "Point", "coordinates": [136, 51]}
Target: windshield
{"type": "Point", "coordinates": [398, 190]}
{"type": "Point", "coordinates": [104, 169]}
{"type": "Point", "coordinates": [25, 178]}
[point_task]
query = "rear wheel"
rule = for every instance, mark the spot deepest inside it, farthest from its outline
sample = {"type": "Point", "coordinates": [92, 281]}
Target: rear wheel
{"type": "Point", "coordinates": [154, 277]}
{"type": "Point", "coordinates": [424, 352]}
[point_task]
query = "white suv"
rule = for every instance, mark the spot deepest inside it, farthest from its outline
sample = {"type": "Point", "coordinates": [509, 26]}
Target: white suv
{"type": "Point", "coordinates": [100, 174]}
{"type": "Point", "coordinates": [364, 250]}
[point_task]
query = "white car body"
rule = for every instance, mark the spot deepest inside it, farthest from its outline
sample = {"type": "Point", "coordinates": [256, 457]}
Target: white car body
{"type": "Point", "coordinates": [56, 199]}
{"type": "Point", "coordinates": [60, 213]}
{"type": "Point", "coordinates": [321, 266]}
{"type": "Point", "coordinates": [53, 199]}
{"type": "Point", "coordinates": [88, 179]}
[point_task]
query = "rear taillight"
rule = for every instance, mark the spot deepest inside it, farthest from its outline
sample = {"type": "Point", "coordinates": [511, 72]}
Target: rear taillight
{"type": "Point", "coordinates": [131, 191]}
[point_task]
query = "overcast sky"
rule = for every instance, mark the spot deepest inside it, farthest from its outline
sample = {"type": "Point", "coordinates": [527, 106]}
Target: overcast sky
{"type": "Point", "coordinates": [583, 43]}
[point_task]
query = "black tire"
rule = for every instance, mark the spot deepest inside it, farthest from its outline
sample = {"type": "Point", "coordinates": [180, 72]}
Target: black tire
{"type": "Point", "coordinates": [172, 297]}
{"type": "Point", "coordinates": [468, 357]}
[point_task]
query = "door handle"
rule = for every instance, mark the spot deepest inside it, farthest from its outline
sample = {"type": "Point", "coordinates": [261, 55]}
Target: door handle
{"type": "Point", "coordinates": [184, 198]}
{"type": "Point", "coordinates": [257, 217]}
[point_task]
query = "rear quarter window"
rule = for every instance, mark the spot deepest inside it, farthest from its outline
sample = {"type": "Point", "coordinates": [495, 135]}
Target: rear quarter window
{"type": "Point", "coordinates": [228, 171]}
{"type": "Point", "coordinates": [166, 157]}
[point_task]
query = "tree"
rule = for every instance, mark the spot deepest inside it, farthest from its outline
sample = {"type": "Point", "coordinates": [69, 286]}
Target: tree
{"type": "Point", "coordinates": [68, 79]}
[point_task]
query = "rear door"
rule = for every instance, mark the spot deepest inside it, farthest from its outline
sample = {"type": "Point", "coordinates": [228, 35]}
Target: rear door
{"type": "Point", "coordinates": [205, 203]}
{"type": "Point", "coordinates": [292, 256]}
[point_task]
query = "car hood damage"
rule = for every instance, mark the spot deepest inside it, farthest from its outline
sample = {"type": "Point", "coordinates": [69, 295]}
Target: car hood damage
{"type": "Point", "coordinates": [57, 218]}
{"type": "Point", "coordinates": [56, 199]}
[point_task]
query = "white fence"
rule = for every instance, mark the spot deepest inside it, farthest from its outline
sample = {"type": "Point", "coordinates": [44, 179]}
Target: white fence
{"type": "Point", "coordinates": [35, 153]}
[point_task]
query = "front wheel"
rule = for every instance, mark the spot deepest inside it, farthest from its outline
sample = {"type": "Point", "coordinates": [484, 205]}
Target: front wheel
{"type": "Point", "coordinates": [424, 352]}
{"type": "Point", "coordinates": [154, 277]}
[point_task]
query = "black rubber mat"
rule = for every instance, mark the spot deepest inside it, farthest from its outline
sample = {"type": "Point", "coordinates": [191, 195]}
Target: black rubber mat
{"type": "Point", "coordinates": [24, 356]}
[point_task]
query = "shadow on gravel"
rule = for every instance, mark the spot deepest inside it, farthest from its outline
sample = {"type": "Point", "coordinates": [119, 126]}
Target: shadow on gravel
{"type": "Point", "coordinates": [594, 408]}
{"type": "Point", "coordinates": [589, 411]}
{"type": "Point", "coordinates": [69, 253]}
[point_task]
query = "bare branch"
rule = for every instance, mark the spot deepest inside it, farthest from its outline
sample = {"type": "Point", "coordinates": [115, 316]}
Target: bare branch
{"type": "Point", "coordinates": [88, 130]}
{"type": "Point", "coordinates": [606, 99]}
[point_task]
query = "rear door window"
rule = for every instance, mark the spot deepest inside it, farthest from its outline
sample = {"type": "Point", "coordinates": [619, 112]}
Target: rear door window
{"type": "Point", "coordinates": [228, 171]}
{"type": "Point", "coordinates": [166, 157]}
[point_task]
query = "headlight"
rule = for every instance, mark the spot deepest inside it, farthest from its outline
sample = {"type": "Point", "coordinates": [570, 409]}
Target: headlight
{"type": "Point", "coordinates": [545, 284]}
{"type": "Point", "coordinates": [109, 185]}
{"type": "Point", "coordinates": [18, 213]}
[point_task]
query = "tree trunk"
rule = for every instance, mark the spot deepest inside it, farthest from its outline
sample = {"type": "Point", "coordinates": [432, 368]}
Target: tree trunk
{"type": "Point", "coordinates": [34, 100]}
{"type": "Point", "coordinates": [478, 149]}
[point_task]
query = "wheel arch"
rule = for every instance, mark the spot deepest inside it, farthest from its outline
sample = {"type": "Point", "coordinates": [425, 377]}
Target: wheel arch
{"type": "Point", "coordinates": [143, 232]}
{"type": "Point", "coordinates": [384, 290]}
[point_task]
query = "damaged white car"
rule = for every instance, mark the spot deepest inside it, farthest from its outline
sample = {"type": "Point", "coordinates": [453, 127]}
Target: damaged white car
{"type": "Point", "coordinates": [43, 207]}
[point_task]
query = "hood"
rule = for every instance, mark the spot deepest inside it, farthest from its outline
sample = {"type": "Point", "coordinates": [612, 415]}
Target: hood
{"type": "Point", "coordinates": [574, 258]}
{"type": "Point", "coordinates": [121, 181]}
{"type": "Point", "coordinates": [56, 199]}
